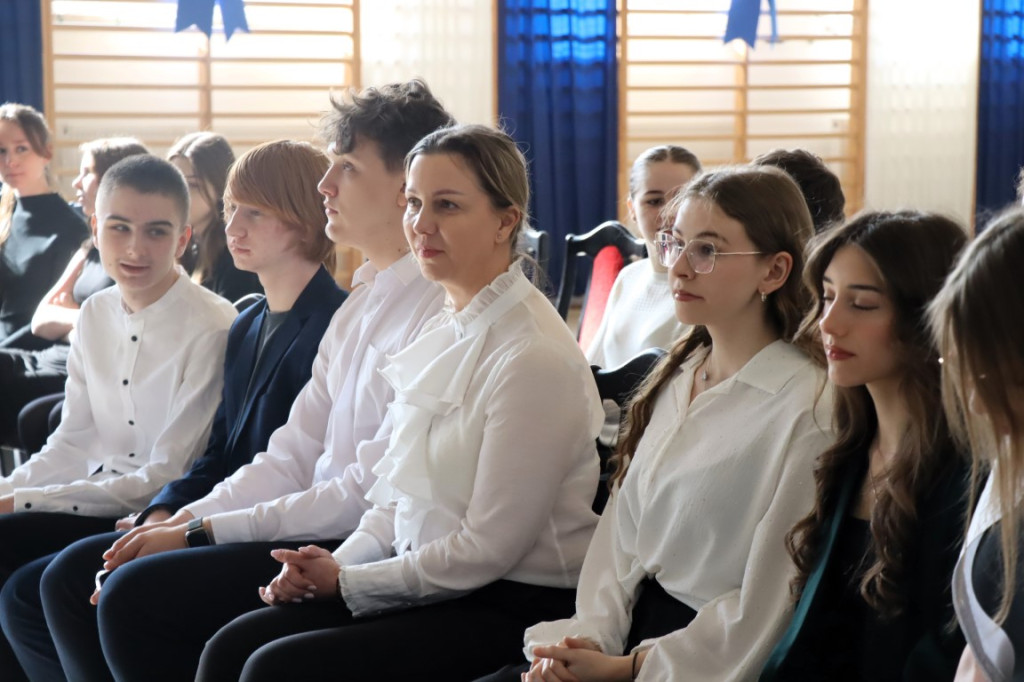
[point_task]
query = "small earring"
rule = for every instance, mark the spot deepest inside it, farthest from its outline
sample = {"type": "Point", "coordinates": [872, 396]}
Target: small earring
{"type": "Point", "coordinates": [764, 297]}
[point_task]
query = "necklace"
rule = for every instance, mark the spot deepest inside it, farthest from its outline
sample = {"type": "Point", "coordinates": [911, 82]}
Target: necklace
{"type": "Point", "coordinates": [704, 369]}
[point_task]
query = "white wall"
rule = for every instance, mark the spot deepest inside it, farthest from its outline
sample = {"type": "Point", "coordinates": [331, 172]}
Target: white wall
{"type": "Point", "coordinates": [448, 43]}
{"type": "Point", "coordinates": [922, 105]}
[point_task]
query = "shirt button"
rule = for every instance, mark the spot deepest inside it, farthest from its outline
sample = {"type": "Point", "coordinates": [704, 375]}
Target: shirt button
{"type": "Point", "coordinates": [131, 454]}
{"type": "Point", "coordinates": [134, 338]}
{"type": "Point", "coordinates": [28, 505]}
{"type": "Point", "coordinates": [131, 422]}
{"type": "Point", "coordinates": [124, 382]}
{"type": "Point", "coordinates": [75, 508]}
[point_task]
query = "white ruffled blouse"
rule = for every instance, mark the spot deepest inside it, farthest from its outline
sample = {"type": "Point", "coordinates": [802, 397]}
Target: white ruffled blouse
{"type": "Point", "coordinates": [491, 468]}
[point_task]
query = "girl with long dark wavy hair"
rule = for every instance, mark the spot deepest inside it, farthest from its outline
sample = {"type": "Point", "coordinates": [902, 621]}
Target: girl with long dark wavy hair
{"type": "Point", "coordinates": [875, 556]}
{"type": "Point", "coordinates": [686, 576]}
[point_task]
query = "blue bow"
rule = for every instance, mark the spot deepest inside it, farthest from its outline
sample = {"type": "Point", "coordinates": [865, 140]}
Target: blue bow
{"type": "Point", "coordinates": [743, 18]}
{"type": "Point", "coordinates": [199, 13]}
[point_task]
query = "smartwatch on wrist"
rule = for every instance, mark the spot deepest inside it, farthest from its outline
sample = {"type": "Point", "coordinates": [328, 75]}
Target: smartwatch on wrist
{"type": "Point", "coordinates": [196, 535]}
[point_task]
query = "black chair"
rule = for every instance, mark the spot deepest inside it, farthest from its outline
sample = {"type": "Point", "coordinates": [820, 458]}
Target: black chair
{"type": "Point", "coordinates": [537, 245]}
{"type": "Point", "coordinates": [248, 300]}
{"type": "Point", "coordinates": [609, 233]}
{"type": "Point", "coordinates": [618, 384]}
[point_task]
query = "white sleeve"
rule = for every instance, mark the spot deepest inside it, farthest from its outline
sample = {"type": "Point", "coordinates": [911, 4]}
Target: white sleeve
{"type": "Point", "coordinates": [606, 593]}
{"type": "Point", "coordinates": [330, 509]}
{"type": "Point", "coordinates": [537, 423]}
{"type": "Point", "coordinates": [184, 435]}
{"type": "Point", "coordinates": [733, 634]}
{"type": "Point", "coordinates": [61, 460]}
{"type": "Point", "coordinates": [289, 462]}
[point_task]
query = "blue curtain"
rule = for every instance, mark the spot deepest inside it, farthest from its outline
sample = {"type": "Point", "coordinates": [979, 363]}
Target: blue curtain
{"type": "Point", "coordinates": [558, 97]}
{"type": "Point", "coordinates": [21, 52]}
{"type": "Point", "coordinates": [1000, 104]}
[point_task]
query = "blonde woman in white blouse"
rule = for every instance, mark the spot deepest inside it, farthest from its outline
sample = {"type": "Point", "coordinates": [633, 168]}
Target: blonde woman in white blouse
{"type": "Point", "coordinates": [482, 509]}
{"type": "Point", "coordinates": [687, 577]}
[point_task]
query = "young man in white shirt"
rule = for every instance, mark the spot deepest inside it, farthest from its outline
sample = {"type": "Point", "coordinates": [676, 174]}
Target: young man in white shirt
{"type": "Point", "coordinates": [312, 480]}
{"type": "Point", "coordinates": [144, 377]}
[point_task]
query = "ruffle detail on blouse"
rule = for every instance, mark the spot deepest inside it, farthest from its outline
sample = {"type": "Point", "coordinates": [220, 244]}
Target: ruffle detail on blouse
{"type": "Point", "coordinates": [431, 377]}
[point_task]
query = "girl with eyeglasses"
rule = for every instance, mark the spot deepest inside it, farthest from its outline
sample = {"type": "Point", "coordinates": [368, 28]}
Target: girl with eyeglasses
{"type": "Point", "coordinates": [687, 574]}
{"type": "Point", "coordinates": [875, 556]}
{"type": "Point", "coordinates": [978, 322]}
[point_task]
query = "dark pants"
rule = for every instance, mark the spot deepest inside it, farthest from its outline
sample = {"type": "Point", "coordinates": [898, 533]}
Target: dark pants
{"type": "Point", "coordinates": [655, 614]}
{"type": "Point", "coordinates": [156, 613]}
{"type": "Point", "coordinates": [27, 375]}
{"type": "Point", "coordinates": [458, 639]}
{"type": "Point", "coordinates": [27, 541]}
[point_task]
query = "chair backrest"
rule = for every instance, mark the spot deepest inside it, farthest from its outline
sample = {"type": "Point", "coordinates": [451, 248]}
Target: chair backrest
{"type": "Point", "coordinates": [537, 244]}
{"type": "Point", "coordinates": [618, 385]}
{"type": "Point", "coordinates": [248, 300]}
{"type": "Point", "coordinates": [577, 246]}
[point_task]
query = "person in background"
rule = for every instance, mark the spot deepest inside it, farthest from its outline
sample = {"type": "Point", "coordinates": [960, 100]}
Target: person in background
{"type": "Point", "coordinates": [144, 378]}
{"type": "Point", "coordinates": [204, 158]}
{"type": "Point", "coordinates": [875, 556]}
{"type": "Point", "coordinates": [640, 313]}
{"type": "Point", "coordinates": [820, 186]}
{"type": "Point", "coordinates": [275, 230]}
{"type": "Point", "coordinates": [27, 375]}
{"type": "Point", "coordinates": [978, 323]}
{"type": "Point", "coordinates": [39, 232]}
{"type": "Point", "coordinates": [721, 439]}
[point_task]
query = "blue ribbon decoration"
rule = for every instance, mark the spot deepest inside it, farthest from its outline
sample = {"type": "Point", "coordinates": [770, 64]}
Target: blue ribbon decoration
{"type": "Point", "coordinates": [199, 13]}
{"type": "Point", "coordinates": [743, 18]}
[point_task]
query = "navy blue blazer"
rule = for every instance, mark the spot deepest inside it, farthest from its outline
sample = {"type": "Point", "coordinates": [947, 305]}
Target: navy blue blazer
{"type": "Point", "coordinates": [240, 431]}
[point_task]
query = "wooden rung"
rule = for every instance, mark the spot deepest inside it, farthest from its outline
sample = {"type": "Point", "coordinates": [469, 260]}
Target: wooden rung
{"type": "Point", "coordinates": [718, 37]}
{"type": "Point", "coordinates": [737, 86]}
{"type": "Point", "coordinates": [181, 114]}
{"type": "Point", "coordinates": [185, 86]}
{"type": "Point", "coordinates": [212, 58]}
{"type": "Point", "coordinates": [752, 63]}
{"type": "Point", "coordinates": [170, 29]}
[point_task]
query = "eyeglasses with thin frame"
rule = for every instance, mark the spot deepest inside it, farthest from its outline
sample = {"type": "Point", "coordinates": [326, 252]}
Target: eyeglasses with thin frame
{"type": "Point", "coordinates": [700, 253]}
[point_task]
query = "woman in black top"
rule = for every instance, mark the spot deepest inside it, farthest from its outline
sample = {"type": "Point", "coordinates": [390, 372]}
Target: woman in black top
{"type": "Point", "coordinates": [204, 159]}
{"type": "Point", "coordinates": [38, 230]}
{"type": "Point", "coordinates": [978, 319]}
{"type": "Point", "coordinates": [874, 557]}
{"type": "Point", "coordinates": [30, 374]}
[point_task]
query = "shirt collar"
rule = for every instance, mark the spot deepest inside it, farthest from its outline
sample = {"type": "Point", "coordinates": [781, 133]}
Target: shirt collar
{"type": "Point", "coordinates": [405, 269]}
{"type": "Point", "coordinates": [769, 370]}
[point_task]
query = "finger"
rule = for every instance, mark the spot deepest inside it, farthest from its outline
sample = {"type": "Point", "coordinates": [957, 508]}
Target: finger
{"type": "Point", "coordinates": [580, 643]}
{"type": "Point", "coordinates": [126, 553]}
{"type": "Point", "coordinates": [286, 592]}
{"type": "Point", "coordinates": [313, 551]}
{"type": "Point", "coordinates": [124, 524]}
{"type": "Point", "coordinates": [94, 598]}
{"type": "Point", "coordinates": [556, 670]}
{"type": "Point", "coordinates": [267, 596]}
{"type": "Point", "coordinates": [296, 581]}
{"type": "Point", "coordinates": [287, 555]}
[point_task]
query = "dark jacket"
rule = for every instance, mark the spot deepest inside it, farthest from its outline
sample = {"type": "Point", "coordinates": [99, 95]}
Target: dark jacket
{"type": "Point", "coordinates": [923, 642]}
{"type": "Point", "coordinates": [240, 431]}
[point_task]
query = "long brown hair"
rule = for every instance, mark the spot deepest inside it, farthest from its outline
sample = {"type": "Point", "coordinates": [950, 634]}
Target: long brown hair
{"type": "Point", "coordinates": [37, 133]}
{"type": "Point", "coordinates": [769, 205]}
{"type": "Point", "coordinates": [913, 252]}
{"type": "Point", "coordinates": [978, 323]}
{"type": "Point", "coordinates": [211, 158]}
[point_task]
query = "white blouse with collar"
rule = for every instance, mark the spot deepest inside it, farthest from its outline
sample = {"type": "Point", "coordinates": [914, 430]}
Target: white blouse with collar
{"type": "Point", "coordinates": [704, 508]}
{"type": "Point", "coordinates": [491, 468]}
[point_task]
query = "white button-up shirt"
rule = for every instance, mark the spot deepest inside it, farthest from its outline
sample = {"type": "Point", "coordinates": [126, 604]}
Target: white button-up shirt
{"type": "Point", "coordinates": [491, 468]}
{"type": "Point", "coordinates": [141, 393]}
{"type": "Point", "coordinates": [704, 508]}
{"type": "Point", "coordinates": [312, 481]}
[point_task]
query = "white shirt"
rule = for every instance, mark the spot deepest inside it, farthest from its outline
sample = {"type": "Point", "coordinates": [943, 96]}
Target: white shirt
{"type": "Point", "coordinates": [141, 393]}
{"type": "Point", "coordinates": [704, 508]}
{"type": "Point", "coordinates": [491, 468]}
{"type": "Point", "coordinates": [312, 481]}
{"type": "Point", "coordinates": [640, 314]}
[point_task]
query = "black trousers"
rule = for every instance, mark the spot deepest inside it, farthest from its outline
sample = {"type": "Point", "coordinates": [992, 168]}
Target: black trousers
{"type": "Point", "coordinates": [27, 541]}
{"type": "Point", "coordinates": [656, 613]}
{"type": "Point", "coordinates": [26, 375]}
{"type": "Point", "coordinates": [156, 613]}
{"type": "Point", "coordinates": [458, 639]}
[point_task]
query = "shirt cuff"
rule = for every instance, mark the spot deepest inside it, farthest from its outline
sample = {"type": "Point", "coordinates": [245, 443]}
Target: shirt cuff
{"type": "Point", "coordinates": [233, 526]}
{"type": "Point", "coordinates": [203, 508]}
{"type": "Point", "coordinates": [359, 548]}
{"type": "Point", "coordinates": [373, 588]}
{"type": "Point", "coordinates": [35, 500]}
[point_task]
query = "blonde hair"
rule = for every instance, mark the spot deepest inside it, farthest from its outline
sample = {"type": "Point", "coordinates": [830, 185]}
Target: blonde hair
{"type": "Point", "coordinates": [281, 178]}
{"type": "Point", "coordinates": [978, 323]}
{"type": "Point", "coordinates": [33, 125]}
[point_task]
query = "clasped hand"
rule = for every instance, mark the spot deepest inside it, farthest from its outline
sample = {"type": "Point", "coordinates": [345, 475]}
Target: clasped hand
{"type": "Point", "coordinates": [577, 659]}
{"type": "Point", "coordinates": [309, 573]}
